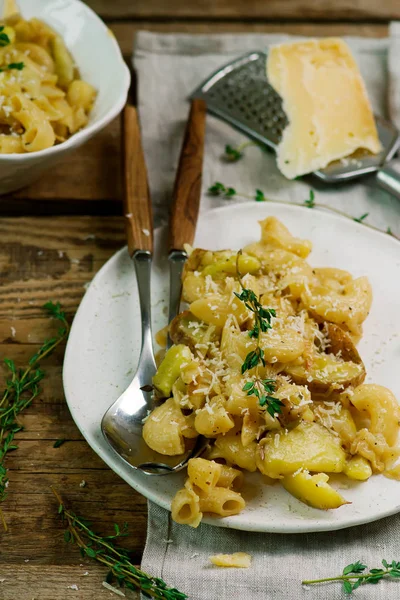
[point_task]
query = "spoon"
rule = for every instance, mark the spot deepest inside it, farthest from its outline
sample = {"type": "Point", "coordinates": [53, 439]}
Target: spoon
{"type": "Point", "coordinates": [122, 424]}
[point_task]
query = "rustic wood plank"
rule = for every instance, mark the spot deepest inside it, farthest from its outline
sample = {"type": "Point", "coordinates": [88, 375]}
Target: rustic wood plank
{"type": "Point", "coordinates": [33, 582]}
{"type": "Point", "coordinates": [125, 31]}
{"type": "Point", "coordinates": [240, 10]}
{"type": "Point", "coordinates": [92, 172]}
{"type": "Point", "coordinates": [42, 259]}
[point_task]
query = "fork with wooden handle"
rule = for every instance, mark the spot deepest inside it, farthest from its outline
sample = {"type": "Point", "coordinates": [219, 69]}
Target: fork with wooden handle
{"type": "Point", "coordinates": [123, 422]}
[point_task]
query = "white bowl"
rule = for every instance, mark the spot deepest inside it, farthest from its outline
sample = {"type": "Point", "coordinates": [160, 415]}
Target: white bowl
{"type": "Point", "coordinates": [100, 62]}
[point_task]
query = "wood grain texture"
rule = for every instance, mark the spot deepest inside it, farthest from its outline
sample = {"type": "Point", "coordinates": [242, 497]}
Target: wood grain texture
{"type": "Point", "coordinates": [136, 194]}
{"type": "Point", "coordinates": [41, 259]}
{"type": "Point", "coordinates": [32, 582]}
{"type": "Point", "coordinates": [125, 31]}
{"type": "Point", "coordinates": [187, 188]}
{"type": "Point", "coordinates": [255, 10]}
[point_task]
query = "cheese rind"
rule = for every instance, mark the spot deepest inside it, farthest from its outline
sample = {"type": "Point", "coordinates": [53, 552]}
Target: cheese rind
{"type": "Point", "coordinates": [326, 103]}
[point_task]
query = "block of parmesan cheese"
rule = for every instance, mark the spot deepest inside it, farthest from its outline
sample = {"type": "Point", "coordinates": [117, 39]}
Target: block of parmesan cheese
{"type": "Point", "coordinates": [326, 103]}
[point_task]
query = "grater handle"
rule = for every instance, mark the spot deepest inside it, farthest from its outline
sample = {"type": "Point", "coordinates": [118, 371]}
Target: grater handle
{"type": "Point", "coordinates": [187, 189]}
{"type": "Point", "coordinates": [388, 179]}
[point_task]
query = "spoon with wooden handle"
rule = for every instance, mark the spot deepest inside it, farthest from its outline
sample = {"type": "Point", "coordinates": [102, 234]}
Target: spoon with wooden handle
{"type": "Point", "coordinates": [122, 424]}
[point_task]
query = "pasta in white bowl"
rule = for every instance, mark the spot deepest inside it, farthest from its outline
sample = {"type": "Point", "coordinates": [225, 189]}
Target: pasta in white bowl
{"type": "Point", "coordinates": [53, 92]}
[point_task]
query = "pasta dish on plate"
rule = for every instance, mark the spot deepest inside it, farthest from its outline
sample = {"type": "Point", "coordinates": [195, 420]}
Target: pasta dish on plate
{"type": "Point", "coordinates": [43, 101]}
{"type": "Point", "coordinates": [264, 364]}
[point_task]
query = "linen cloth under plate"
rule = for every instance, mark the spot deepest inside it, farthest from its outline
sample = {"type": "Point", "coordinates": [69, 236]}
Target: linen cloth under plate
{"type": "Point", "coordinates": [169, 68]}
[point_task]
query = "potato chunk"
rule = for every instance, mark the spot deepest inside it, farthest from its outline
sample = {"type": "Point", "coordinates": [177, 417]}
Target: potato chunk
{"type": "Point", "coordinates": [358, 468]}
{"type": "Point", "coordinates": [313, 490]}
{"type": "Point", "coordinates": [308, 446]}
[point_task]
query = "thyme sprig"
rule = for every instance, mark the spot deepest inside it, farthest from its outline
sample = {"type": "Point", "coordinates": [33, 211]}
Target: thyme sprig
{"type": "Point", "coordinates": [235, 153]}
{"type": "Point", "coordinates": [356, 574]}
{"type": "Point", "coordinates": [219, 189]}
{"type": "Point", "coordinates": [261, 388]}
{"type": "Point", "coordinates": [22, 387]}
{"type": "Point", "coordinates": [105, 551]}
{"type": "Point", "coordinates": [4, 39]}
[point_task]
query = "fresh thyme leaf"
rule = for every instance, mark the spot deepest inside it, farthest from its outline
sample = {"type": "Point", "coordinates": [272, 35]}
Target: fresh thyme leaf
{"type": "Point", "coordinates": [259, 197]}
{"type": "Point", "coordinates": [219, 189]}
{"type": "Point", "coordinates": [229, 192]}
{"type": "Point", "coordinates": [310, 202]}
{"type": "Point", "coordinates": [361, 219]}
{"type": "Point", "coordinates": [121, 569]}
{"type": "Point", "coordinates": [389, 231]}
{"type": "Point", "coordinates": [22, 387]}
{"type": "Point", "coordinates": [232, 154]}
{"type": "Point", "coordinates": [19, 66]}
{"type": "Point", "coordinates": [59, 443]}
{"type": "Point", "coordinates": [4, 39]}
{"type": "Point", "coordinates": [347, 587]}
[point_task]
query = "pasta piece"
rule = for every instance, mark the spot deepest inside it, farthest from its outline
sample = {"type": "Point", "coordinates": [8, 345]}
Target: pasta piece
{"type": "Point", "coordinates": [349, 308]}
{"type": "Point", "coordinates": [204, 474]}
{"type": "Point", "coordinates": [185, 508]}
{"type": "Point", "coordinates": [230, 478]}
{"type": "Point", "coordinates": [382, 407]}
{"type": "Point", "coordinates": [274, 233]}
{"type": "Point", "coordinates": [239, 560]}
{"type": "Point", "coordinates": [231, 448]}
{"type": "Point", "coordinates": [38, 133]}
{"type": "Point", "coordinates": [222, 502]}
{"type": "Point", "coordinates": [215, 309]}
{"type": "Point", "coordinates": [213, 419]}
{"type": "Point", "coordinates": [81, 95]}
{"type": "Point", "coordinates": [163, 429]}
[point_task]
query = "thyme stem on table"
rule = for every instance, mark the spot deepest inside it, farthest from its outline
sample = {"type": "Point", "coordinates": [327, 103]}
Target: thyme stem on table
{"type": "Point", "coordinates": [106, 552]}
{"type": "Point", "coordinates": [356, 574]}
{"type": "Point", "coordinates": [220, 189]}
{"type": "Point", "coordinates": [22, 387]}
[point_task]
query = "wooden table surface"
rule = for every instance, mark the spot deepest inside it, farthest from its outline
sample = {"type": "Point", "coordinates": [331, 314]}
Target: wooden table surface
{"type": "Point", "coordinates": [54, 236]}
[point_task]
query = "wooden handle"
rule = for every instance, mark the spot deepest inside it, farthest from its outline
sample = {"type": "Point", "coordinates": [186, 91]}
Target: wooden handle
{"type": "Point", "coordinates": [137, 201]}
{"type": "Point", "coordinates": [187, 189]}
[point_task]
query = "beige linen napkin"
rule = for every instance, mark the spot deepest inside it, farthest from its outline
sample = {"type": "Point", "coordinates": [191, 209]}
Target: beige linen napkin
{"type": "Point", "coordinates": [169, 67]}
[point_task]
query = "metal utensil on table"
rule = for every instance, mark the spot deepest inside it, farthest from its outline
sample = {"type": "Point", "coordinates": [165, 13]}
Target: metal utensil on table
{"type": "Point", "coordinates": [240, 94]}
{"type": "Point", "coordinates": [122, 424]}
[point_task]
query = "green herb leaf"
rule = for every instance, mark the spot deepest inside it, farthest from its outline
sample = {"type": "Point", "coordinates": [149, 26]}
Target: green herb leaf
{"type": "Point", "coordinates": [232, 154]}
{"type": "Point", "coordinates": [361, 219]}
{"type": "Point", "coordinates": [259, 197]}
{"type": "Point", "coordinates": [18, 66]}
{"type": "Point", "coordinates": [59, 443]}
{"type": "Point", "coordinates": [4, 39]}
{"type": "Point", "coordinates": [310, 202]}
{"type": "Point", "coordinates": [348, 588]}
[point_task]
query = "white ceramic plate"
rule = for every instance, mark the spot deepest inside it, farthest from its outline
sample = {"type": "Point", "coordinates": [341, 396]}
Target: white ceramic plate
{"type": "Point", "coordinates": [103, 350]}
